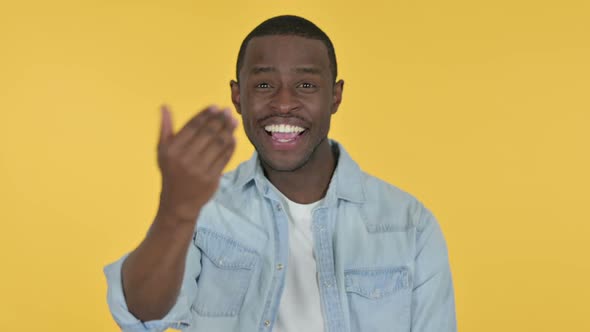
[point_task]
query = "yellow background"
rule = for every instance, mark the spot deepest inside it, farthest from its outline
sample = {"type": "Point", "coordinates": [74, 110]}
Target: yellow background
{"type": "Point", "coordinates": [479, 108]}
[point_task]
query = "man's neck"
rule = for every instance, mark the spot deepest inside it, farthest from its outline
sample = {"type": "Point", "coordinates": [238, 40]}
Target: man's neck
{"type": "Point", "coordinates": [309, 183]}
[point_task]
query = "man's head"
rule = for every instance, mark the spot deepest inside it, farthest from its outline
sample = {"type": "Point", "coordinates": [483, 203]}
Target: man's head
{"type": "Point", "coordinates": [287, 90]}
{"type": "Point", "coordinates": [289, 25]}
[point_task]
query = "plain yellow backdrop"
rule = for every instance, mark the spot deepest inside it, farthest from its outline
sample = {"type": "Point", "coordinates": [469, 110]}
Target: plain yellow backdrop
{"type": "Point", "coordinates": [481, 109]}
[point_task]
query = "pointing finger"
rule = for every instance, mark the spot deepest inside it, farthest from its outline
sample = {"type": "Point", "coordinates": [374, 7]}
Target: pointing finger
{"type": "Point", "coordinates": [166, 128]}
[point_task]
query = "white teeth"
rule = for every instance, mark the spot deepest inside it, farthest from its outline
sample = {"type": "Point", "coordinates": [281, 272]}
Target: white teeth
{"type": "Point", "coordinates": [283, 128]}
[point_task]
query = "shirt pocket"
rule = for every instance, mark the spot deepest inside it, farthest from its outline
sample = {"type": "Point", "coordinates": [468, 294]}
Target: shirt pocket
{"type": "Point", "coordinates": [226, 270]}
{"type": "Point", "coordinates": [379, 299]}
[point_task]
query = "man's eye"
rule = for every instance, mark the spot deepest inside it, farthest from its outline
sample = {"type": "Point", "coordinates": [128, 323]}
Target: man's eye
{"type": "Point", "coordinates": [263, 85]}
{"type": "Point", "coordinates": [306, 85]}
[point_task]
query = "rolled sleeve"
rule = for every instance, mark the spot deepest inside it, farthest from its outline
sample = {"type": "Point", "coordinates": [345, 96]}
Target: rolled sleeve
{"type": "Point", "coordinates": [433, 301]}
{"type": "Point", "coordinates": [179, 317]}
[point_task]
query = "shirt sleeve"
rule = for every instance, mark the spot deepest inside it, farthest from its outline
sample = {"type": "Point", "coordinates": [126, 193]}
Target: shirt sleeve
{"type": "Point", "coordinates": [433, 300]}
{"type": "Point", "coordinates": [179, 317]}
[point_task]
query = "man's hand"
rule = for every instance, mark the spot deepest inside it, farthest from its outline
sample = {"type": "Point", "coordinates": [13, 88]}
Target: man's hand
{"type": "Point", "coordinates": [192, 161]}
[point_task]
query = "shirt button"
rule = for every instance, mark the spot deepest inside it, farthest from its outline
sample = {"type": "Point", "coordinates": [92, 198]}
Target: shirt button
{"type": "Point", "coordinates": [267, 323]}
{"type": "Point", "coordinates": [279, 266]}
{"type": "Point", "coordinates": [279, 208]}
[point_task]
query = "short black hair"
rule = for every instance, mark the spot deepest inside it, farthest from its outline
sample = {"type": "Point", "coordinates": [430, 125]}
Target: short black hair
{"type": "Point", "coordinates": [288, 25]}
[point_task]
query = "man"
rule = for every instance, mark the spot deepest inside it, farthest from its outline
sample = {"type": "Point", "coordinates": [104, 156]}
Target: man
{"type": "Point", "coordinates": [298, 238]}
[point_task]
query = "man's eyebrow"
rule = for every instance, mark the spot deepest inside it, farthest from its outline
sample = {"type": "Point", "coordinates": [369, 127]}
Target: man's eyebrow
{"type": "Point", "coordinates": [262, 69]}
{"type": "Point", "coordinates": [308, 70]}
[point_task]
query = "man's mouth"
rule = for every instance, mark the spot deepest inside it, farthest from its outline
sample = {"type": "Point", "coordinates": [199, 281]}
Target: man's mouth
{"type": "Point", "coordinates": [284, 133]}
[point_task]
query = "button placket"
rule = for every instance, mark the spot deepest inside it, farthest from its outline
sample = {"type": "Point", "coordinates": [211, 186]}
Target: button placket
{"type": "Point", "coordinates": [328, 288]}
{"type": "Point", "coordinates": [281, 223]}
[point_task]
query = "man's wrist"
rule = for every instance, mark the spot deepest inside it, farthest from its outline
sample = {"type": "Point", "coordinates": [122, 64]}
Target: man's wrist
{"type": "Point", "coordinates": [169, 219]}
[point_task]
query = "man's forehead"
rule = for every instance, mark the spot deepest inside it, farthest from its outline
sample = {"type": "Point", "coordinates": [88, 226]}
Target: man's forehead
{"type": "Point", "coordinates": [286, 49]}
{"type": "Point", "coordinates": [298, 69]}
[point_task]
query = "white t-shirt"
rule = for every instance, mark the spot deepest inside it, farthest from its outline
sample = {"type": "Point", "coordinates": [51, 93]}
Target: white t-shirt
{"type": "Point", "coordinates": [300, 308]}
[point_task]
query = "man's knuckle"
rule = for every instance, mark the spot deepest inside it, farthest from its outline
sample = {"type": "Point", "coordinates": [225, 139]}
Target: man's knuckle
{"type": "Point", "coordinates": [218, 121]}
{"type": "Point", "coordinates": [164, 153]}
{"type": "Point", "coordinates": [208, 132]}
{"type": "Point", "coordinates": [220, 140]}
{"type": "Point", "coordinates": [185, 162]}
{"type": "Point", "coordinates": [194, 123]}
{"type": "Point", "coordinates": [230, 141]}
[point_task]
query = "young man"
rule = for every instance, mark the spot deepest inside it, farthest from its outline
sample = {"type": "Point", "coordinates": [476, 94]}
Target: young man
{"type": "Point", "coordinates": [298, 238]}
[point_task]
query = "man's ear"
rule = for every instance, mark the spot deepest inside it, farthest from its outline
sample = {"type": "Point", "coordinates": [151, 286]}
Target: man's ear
{"type": "Point", "coordinates": [235, 95]}
{"type": "Point", "coordinates": [337, 95]}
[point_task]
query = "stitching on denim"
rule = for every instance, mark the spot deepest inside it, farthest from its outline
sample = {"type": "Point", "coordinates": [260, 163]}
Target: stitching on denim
{"type": "Point", "coordinates": [276, 287]}
{"type": "Point", "coordinates": [330, 297]}
{"type": "Point", "coordinates": [227, 313]}
{"type": "Point", "coordinates": [400, 280]}
{"type": "Point", "coordinates": [159, 324]}
{"type": "Point", "coordinates": [228, 239]}
{"type": "Point", "coordinates": [376, 270]}
{"type": "Point", "coordinates": [245, 259]}
{"type": "Point", "coordinates": [385, 228]}
{"type": "Point", "coordinates": [233, 306]}
{"type": "Point", "coordinates": [248, 256]}
{"type": "Point", "coordinates": [382, 227]}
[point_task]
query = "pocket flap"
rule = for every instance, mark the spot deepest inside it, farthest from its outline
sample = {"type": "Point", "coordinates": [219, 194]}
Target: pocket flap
{"type": "Point", "coordinates": [223, 251]}
{"type": "Point", "coordinates": [376, 283]}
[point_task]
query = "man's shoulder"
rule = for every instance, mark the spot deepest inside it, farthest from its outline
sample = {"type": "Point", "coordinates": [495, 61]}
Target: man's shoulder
{"type": "Point", "coordinates": [235, 187]}
{"type": "Point", "coordinates": [238, 176]}
{"type": "Point", "coordinates": [390, 204]}
{"type": "Point", "coordinates": [230, 178]}
{"type": "Point", "coordinates": [376, 187]}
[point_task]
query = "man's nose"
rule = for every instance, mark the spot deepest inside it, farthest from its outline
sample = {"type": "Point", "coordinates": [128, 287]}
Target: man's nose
{"type": "Point", "coordinates": [285, 100]}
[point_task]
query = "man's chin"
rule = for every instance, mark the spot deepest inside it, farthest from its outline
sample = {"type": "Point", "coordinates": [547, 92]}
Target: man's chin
{"type": "Point", "coordinates": [283, 165]}
{"type": "Point", "coordinates": [286, 161]}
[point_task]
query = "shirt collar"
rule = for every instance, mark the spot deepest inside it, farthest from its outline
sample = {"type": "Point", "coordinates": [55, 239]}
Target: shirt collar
{"type": "Point", "coordinates": [346, 183]}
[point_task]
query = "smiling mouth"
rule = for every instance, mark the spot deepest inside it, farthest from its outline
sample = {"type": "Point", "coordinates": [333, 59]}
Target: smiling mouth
{"type": "Point", "coordinates": [282, 133]}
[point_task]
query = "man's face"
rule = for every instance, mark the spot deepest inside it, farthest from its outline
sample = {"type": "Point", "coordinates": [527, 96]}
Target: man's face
{"type": "Point", "coordinates": [286, 96]}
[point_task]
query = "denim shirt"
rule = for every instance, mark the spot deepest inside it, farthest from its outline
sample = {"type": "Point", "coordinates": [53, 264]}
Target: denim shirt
{"type": "Point", "coordinates": [381, 259]}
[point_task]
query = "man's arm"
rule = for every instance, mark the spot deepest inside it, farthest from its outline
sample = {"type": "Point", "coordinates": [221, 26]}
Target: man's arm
{"type": "Point", "coordinates": [433, 299]}
{"type": "Point", "coordinates": [191, 163]}
{"type": "Point", "coordinates": [152, 274]}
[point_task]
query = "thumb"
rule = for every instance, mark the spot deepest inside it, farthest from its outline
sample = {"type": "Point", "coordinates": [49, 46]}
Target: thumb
{"type": "Point", "coordinates": [166, 130]}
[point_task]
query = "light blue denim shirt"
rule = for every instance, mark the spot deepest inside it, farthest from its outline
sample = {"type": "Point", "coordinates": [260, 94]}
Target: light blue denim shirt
{"type": "Point", "coordinates": [381, 259]}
